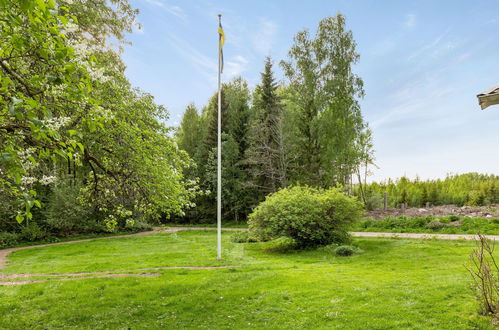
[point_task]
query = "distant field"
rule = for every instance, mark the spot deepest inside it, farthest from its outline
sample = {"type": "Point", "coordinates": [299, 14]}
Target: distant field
{"type": "Point", "coordinates": [394, 284]}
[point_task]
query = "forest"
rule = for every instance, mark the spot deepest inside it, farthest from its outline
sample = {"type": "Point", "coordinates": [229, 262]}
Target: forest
{"type": "Point", "coordinates": [472, 189]}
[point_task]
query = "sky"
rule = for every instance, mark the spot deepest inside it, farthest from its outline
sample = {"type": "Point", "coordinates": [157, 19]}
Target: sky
{"type": "Point", "coordinates": [422, 62]}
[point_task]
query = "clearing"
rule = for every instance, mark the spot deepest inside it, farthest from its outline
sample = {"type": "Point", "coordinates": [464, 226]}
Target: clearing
{"type": "Point", "coordinates": [395, 283]}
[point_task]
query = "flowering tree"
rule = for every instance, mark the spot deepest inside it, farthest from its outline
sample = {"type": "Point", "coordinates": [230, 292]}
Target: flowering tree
{"type": "Point", "coordinates": [44, 96]}
{"type": "Point", "coordinates": [65, 102]}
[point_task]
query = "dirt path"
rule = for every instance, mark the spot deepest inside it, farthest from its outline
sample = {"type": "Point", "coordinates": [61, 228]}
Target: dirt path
{"type": "Point", "coordinates": [76, 278]}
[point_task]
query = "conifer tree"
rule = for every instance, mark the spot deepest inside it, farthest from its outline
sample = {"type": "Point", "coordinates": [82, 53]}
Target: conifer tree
{"type": "Point", "coordinates": [266, 154]}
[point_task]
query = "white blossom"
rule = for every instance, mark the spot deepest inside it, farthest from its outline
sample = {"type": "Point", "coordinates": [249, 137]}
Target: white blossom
{"type": "Point", "coordinates": [56, 122]}
{"type": "Point", "coordinates": [46, 180]}
{"type": "Point", "coordinates": [28, 180]}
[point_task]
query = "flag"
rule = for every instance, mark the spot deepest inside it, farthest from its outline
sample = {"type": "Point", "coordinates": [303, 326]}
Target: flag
{"type": "Point", "coordinates": [221, 40]}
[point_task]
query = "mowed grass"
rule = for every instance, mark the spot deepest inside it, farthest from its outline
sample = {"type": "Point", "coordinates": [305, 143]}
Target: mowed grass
{"type": "Point", "coordinates": [394, 284]}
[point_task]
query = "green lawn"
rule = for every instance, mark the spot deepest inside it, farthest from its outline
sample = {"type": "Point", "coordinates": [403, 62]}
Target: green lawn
{"type": "Point", "coordinates": [394, 284]}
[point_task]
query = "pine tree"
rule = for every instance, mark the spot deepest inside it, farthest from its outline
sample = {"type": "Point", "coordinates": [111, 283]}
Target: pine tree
{"type": "Point", "coordinates": [266, 154]}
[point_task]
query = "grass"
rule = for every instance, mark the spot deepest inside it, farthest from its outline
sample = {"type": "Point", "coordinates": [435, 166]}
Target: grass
{"type": "Point", "coordinates": [394, 284]}
{"type": "Point", "coordinates": [57, 239]}
{"type": "Point", "coordinates": [225, 224]}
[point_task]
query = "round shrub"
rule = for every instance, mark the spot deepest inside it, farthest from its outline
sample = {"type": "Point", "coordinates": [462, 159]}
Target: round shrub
{"type": "Point", "coordinates": [310, 216]}
{"type": "Point", "coordinates": [345, 250]}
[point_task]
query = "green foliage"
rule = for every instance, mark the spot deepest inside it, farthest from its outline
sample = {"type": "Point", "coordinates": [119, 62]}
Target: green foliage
{"type": "Point", "coordinates": [9, 239]}
{"type": "Point", "coordinates": [241, 237]}
{"type": "Point", "coordinates": [345, 250]}
{"type": "Point", "coordinates": [281, 245]}
{"type": "Point", "coordinates": [323, 103]}
{"type": "Point", "coordinates": [464, 189]}
{"type": "Point", "coordinates": [373, 202]}
{"type": "Point", "coordinates": [308, 215]}
{"type": "Point", "coordinates": [45, 96]}
{"type": "Point", "coordinates": [140, 226]}
{"type": "Point", "coordinates": [32, 232]}
{"type": "Point", "coordinates": [65, 214]}
{"type": "Point", "coordinates": [435, 224]}
{"type": "Point", "coordinates": [267, 152]}
{"type": "Point", "coordinates": [308, 131]}
{"type": "Point", "coordinates": [237, 195]}
{"type": "Point", "coordinates": [69, 114]}
{"type": "Point", "coordinates": [443, 225]}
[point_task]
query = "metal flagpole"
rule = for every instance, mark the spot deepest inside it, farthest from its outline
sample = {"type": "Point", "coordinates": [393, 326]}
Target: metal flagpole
{"type": "Point", "coordinates": [219, 155]}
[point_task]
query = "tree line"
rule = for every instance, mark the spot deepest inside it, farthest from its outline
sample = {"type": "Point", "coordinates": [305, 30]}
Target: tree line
{"type": "Point", "coordinates": [306, 130]}
{"type": "Point", "coordinates": [463, 189]}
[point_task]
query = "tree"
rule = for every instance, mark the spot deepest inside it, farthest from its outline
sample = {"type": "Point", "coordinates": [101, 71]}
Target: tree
{"type": "Point", "coordinates": [45, 96]}
{"type": "Point", "coordinates": [188, 137]}
{"type": "Point", "coordinates": [65, 101]}
{"type": "Point", "coordinates": [236, 195]}
{"type": "Point", "coordinates": [266, 155]}
{"type": "Point", "coordinates": [323, 92]}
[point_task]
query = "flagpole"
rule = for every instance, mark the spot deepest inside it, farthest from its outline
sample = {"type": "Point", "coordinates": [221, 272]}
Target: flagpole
{"type": "Point", "coordinates": [219, 157]}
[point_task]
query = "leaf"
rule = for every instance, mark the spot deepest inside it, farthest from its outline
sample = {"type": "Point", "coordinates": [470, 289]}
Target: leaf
{"type": "Point", "coordinates": [19, 218]}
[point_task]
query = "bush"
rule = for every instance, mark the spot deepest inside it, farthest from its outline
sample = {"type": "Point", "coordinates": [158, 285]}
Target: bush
{"type": "Point", "coordinates": [64, 213]}
{"type": "Point", "coordinates": [281, 245]}
{"type": "Point", "coordinates": [310, 216]}
{"type": "Point", "coordinates": [485, 274]}
{"type": "Point", "coordinates": [9, 239]}
{"type": "Point", "coordinates": [345, 250]}
{"type": "Point", "coordinates": [239, 237]}
{"type": "Point", "coordinates": [435, 225]}
{"type": "Point", "coordinates": [374, 201]}
{"type": "Point", "coordinates": [242, 237]}
{"type": "Point", "coordinates": [140, 226]}
{"type": "Point", "coordinates": [32, 232]}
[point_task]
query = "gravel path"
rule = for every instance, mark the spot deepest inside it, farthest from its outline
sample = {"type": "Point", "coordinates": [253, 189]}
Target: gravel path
{"type": "Point", "coordinates": [413, 235]}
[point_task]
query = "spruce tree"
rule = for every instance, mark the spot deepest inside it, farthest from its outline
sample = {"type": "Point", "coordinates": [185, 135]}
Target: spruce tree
{"type": "Point", "coordinates": [266, 152]}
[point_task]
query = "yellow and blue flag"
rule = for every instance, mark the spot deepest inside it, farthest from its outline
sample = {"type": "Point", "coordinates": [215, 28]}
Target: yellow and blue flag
{"type": "Point", "coordinates": [221, 40]}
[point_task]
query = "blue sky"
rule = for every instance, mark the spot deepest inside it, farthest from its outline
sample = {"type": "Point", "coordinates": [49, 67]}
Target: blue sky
{"type": "Point", "coordinates": [423, 62]}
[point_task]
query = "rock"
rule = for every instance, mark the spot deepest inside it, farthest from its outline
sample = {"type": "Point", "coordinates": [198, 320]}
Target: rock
{"type": "Point", "coordinates": [421, 210]}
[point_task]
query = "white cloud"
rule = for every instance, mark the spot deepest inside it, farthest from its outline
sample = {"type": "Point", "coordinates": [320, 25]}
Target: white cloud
{"type": "Point", "coordinates": [206, 65]}
{"type": "Point", "coordinates": [432, 46]}
{"type": "Point", "coordinates": [235, 66]}
{"type": "Point", "coordinates": [173, 10]}
{"type": "Point", "coordinates": [264, 38]}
